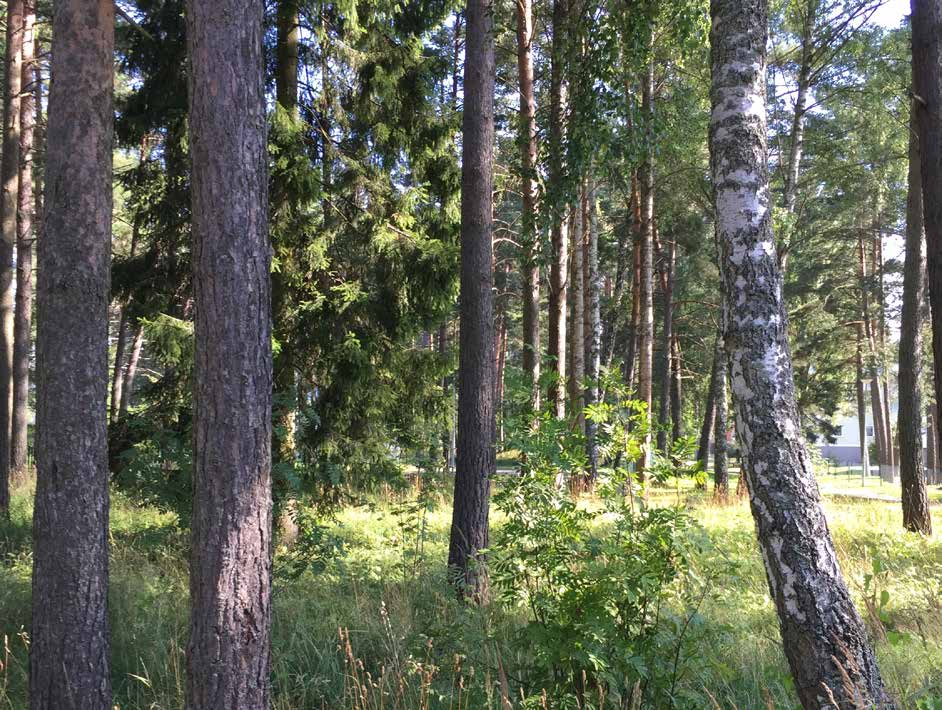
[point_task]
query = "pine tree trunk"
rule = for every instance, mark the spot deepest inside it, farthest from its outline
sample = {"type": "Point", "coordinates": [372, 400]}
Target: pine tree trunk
{"type": "Point", "coordinates": [667, 340]}
{"type": "Point", "coordinates": [912, 471]}
{"type": "Point", "coordinates": [23, 315]}
{"type": "Point", "coordinates": [709, 413]}
{"type": "Point", "coordinates": [127, 384]}
{"type": "Point", "coordinates": [286, 94]}
{"type": "Point", "coordinates": [677, 414]}
{"type": "Point", "coordinates": [9, 183]}
{"type": "Point", "coordinates": [931, 448]}
{"type": "Point", "coordinates": [530, 236]}
{"type": "Point", "coordinates": [646, 339]}
{"type": "Point", "coordinates": [876, 399]}
{"type": "Point", "coordinates": [68, 667]}
{"type": "Point", "coordinates": [927, 87]}
{"type": "Point", "coordinates": [559, 277]}
{"type": "Point", "coordinates": [890, 439]}
{"type": "Point", "coordinates": [824, 638]}
{"type": "Point", "coordinates": [476, 462]}
{"type": "Point", "coordinates": [230, 566]}
{"type": "Point", "coordinates": [593, 329]}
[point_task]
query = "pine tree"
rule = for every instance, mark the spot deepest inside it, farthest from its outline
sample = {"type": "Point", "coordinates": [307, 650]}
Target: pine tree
{"type": "Point", "coordinates": [69, 666]}
{"type": "Point", "coordinates": [230, 568]}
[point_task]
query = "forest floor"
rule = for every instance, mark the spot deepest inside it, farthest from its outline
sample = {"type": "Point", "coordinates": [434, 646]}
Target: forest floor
{"type": "Point", "coordinates": [387, 591]}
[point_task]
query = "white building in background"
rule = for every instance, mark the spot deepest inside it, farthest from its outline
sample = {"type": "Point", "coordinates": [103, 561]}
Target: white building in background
{"type": "Point", "coordinates": [845, 449]}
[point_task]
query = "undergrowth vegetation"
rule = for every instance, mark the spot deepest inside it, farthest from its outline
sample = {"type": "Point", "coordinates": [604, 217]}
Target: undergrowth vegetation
{"type": "Point", "coordinates": [376, 625]}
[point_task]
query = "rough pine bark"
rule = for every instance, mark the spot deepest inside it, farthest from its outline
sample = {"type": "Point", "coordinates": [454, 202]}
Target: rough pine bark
{"type": "Point", "coordinates": [230, 560]}
{"type": "Point", "coordinates": [23, 314]}
{"type": "Point", "coordinates": [927, 87]}
{"type": "Point", "coordinates": [912, 470]}
{"type": "Point", "coordinates": [559, 264]}
{"type": "Point", "coordinates": [825, 641]}
{"type": "Point", "coordinates": [530, 237]}
{"type": "Point", "coordinates": [9, 183]}
{"type": "Point", "coordinates": [68, 665]}
{"type": "Point", "coordinates": [476, 368]}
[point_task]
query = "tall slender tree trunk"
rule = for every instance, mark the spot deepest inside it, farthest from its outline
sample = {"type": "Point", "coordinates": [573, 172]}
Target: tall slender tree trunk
{"type": "Point", "coordinates": [720, 460]}
{"type": "Point", "coordinates": [797, 138]}
{"type": "Point", "coordinates": [709, 411]}
{"type": "Point", "coordinates": [68, 665]}
{"type": "Point", "coordinates": [677, 414]}
{"type": "Point", "coordinates": [9, 184]}
{"type": "Point", "coordinates": [876, 398]}
{"type": "Point", "coordinates": [927, 87]}
{"type": "Point", "coordinates": [879, 268]}
{"type": "Point", "coordinates": [593, 328]}
{"type": "Point", "coordinates": [577, 311]}
{"type": "Point", "coordinates": [127, 384]}
{"type": "Point", "coordinates": [646, 284]}
{"type": "Point", "coordinates": [912, 471]}
{"type": "Point", "coordinates": [861, 402]}
{"type": "Point", "coordinates": [932, 449]}
{"type": "Point", "coordinates": [667, 342]}
{"type": "Point", "coordinates": [559, 277]}
{"type": "Point", "coordinates": [476, 461]}
{"type": "Point", "coordinates": [825, 641]}
{"type": "Point", "coordinates": [612, 334]}
{"type": "Point", "coordinates": [228, 654]}
{"type": "Point", "coordinates": [530, 240]}
{"type": "Point", "coordinates": [287, 25]}
{"type": "Point", "coordinates": [23, 315]}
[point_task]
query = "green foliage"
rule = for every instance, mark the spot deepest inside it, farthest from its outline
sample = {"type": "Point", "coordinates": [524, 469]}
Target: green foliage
{"type": "Point", "coordinates": [593, 578]}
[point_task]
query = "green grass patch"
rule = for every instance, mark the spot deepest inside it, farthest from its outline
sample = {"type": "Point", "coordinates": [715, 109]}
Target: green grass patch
{"type": "Point", "coordinates": [380, 627]}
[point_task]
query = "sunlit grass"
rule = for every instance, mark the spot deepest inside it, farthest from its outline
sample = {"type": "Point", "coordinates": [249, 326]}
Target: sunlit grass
{"type": "Point", "coordinates": [389, 592]}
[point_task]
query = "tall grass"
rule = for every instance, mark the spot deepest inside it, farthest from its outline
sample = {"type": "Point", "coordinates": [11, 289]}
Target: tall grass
{"type": "Point", "coordinates": [379, 628]}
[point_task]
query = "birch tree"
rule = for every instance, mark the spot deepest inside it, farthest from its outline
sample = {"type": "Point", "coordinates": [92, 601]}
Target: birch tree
{"type": "Point", "coordinates": [825, 641]}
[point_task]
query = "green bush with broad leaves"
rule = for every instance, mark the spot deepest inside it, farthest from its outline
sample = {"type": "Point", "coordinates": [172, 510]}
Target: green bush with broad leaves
{"type": "Point", "coordinates": [608, 585]}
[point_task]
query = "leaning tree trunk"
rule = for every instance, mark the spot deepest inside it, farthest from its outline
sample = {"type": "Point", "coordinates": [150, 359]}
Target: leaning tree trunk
{"type": "Point", "coordinates": [9, 183]}
{"type": "Point", "coordinates": [559, 277]}
{"type": "Point", "coordinates": [912, 471]}
{"type": "Point", "coordinates": [230, 561]}
{"type": "Point", "coordinates": [825, 641]}
{"type": "Point", "coordinates": [23, 315]}
{"type": "Point", "coordinates": [476, 461]}
{"type": "Point", "coordinates": [530, 237]}
{"type": "Point", "coordinates": [927, 87]}
{"type": "Point", "coordinates": [68, 667]}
